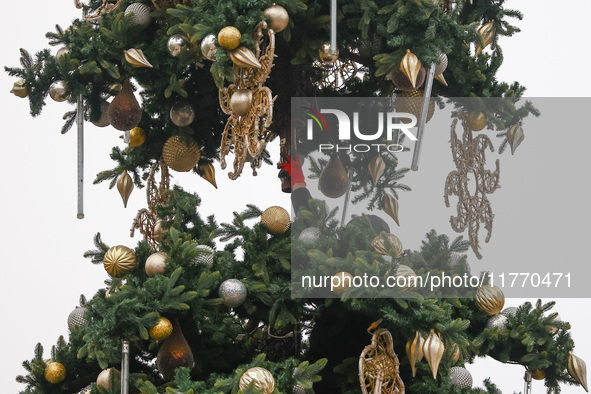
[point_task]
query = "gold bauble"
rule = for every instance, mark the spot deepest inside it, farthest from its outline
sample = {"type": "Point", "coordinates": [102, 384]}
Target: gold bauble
{"type": "Point", "coordinates": [259, 379]}
{"type": "Point", "coordinates": [61, 52]}
{"type": "Point", "coordinates": [376, 168]}
{"type": "Point", "coordinates": [19, 89]}
{"type": "Point", "coordinates": [162, 329]}
{"type": "Point", "coordinates": [577, 369]}
{"type": "Point", "coordinates": [180, 154]}
{"type": "Point", "coordinates": [412, 102]}
{"type": "Point", "coordinates": [345, 280]}
{"type": "Point", "coordinates": [137, 137]}
{"type": "Point", "coordinates": [410, 65]}
{"type": "Point", "coordinates": [158, 231]}
{"type": "Point", "coordinates": [57, 91]}
{"type": "Point", "coordinates": [155, 264]}
{"type": "Point", "coordinates": [244, 57]}
{"type": "Point", "coordinates": [538, 374]}
{"type": "Point", "coordinates": [490, 299]}
{"type": "Point", "coordinates": [104, 378]}
{"type": "Point", "coordinates": [241, 101]}
{"type": "Point", "coordinates": [279, 18]}
{"type": "Point", "coordinates": [229, 37]}
{"type": "Point", "coordinates": [414, 351]}
{"type": "Point", "coordinates": [404, 271]}
{"type": "Point", "coordinates": [119, 261]}
{"type": "Point", "coordinates": [387, 244]}
{"type": "Point", "coordinates": [124, 186]}
{"type": "Point", "coordinates": [325, 54]}
{"type": "Point", "coordinates": [276, 219]}
{"type": "Point", "coordinates": [390, 206]}
{"type": "Point", "coordinates": [334, 180]}
{"type": "Point", "coordinates": [136, 58]}
{"type": "Point", "coordinates": [207, 172]}
{"type": "Point", "coordinates": [515, 137]}
{"type": "Point", "coordinates": [433, 350]}
{"type": "Point", "coordinates": [476, 121]}
{"type": "Point", "coordinates": [125, 112]}
{"type": "Point", "coordinates": [174, 352]}
{"type": "Point", "coordinates": [55, 372]}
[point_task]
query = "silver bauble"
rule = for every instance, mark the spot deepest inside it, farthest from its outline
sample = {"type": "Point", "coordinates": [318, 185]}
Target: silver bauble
{"type": "Point", "coordinates": [204, 254]}
{"type": "Point", "coordinates": [309, 235]}
{"type": "Point", "coordinates": [156, 263]}
{"type": "Point", "coordinates": [208, 48]}
{"type": "Point", "coordinates": [140, 14]}
{"type": "Point", "coordinates": [57, 91]}
{"type": "Point", "coordinates": [76, 318]}
{"type": "Point", "coordinates": [182, 114]}
{"type": "Point", "coordinates": [498, 321]}
{"type": "Point", "coordinates": [460, 377]}
{"type": "Point", "coordinates": [61, 52]}
{"type": "Point", "coordinates": [103, 119]}
{"type": "Point", "coordinates": [176, 44]}
{"type": "Point", "coordinates": [233, 292]}
{"type": "Point", "coordinates": [510, 311]}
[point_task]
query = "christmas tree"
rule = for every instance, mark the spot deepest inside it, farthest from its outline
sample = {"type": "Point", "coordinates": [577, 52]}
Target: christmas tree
{"type": "Point", "coordinates": [202, 307]}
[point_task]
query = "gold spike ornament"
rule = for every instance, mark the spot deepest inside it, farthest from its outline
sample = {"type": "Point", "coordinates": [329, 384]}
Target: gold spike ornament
{"type": "Point", "coordinates": [136, 58]}
{"type": "Point", "coordinates": [414, 351]}
{"type": "Point", "coordinates": [244, 57]}
{"type": "Point", "coordinates": [411, 66]}
{"type": "Point", "coordinates": [390, 206]}
{"type": "Point", "coordinates": [207, 172]}
{"type": "Point", "coordinates": [433, 350]}
{"type": "Point", "coordinates": [577, 369]}
{"type": "Point", "coordinates": [124, 186]}
{"type": "Point", "coordinates": [487, 33]}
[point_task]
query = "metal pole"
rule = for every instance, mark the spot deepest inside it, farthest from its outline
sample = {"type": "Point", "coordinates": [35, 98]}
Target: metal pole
{"type": "Point", "coordinates": [527, 387]}
{"type": "Point", "coordinates": [80, 126]}
{"type": "Point", "coordinates": [423, 120]}
{"type": "Point", "coordinates": [333, 26]}
{"type": "Point", "coordinates": [347, 198]}
{"type": "Point", "coordinates": [125, 367]}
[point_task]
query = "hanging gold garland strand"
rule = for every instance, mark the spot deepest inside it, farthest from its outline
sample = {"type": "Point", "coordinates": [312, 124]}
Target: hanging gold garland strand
{"type": "Point", "coordinates": [379, 368]}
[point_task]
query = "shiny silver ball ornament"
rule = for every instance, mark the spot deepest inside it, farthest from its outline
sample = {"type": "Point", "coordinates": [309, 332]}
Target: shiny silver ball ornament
{"type": "Point", "coordinates": [204, 255]}
{"type": "Point", "coordinates": [57, 91]}
{"type": "Point", "coordinates": [61, 52]}
{"type": "Point", "coordinates": [76, 318]}
{"type": "Point", "coordinates": [241, 101]}
{"type": "Point", "coordinates": [139, 14]}
{"type": "Point", "coordinates": [498, 321]}
{"type": "Point", "coordinates": [233, 292]}
{"type": "Point", "coordinates": [103, 119]}
{"type": "Point", "coordinates": [460, 377]}
{"type": "Point", "coordinates": [510, 311]}
{"type": "Point", "coordinates": [182, 114]}
{"type": "Point", "coordinates": [208, 48]}
{"type": "Point", "coordinates": [309, 235]}
{"type": "Point", "coordinates": [177, 44]}
{"type": "Point", "coordinates": [325, 55]}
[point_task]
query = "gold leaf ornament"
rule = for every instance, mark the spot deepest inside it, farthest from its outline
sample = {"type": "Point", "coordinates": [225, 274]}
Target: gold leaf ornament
{"type": "Point", "coordinates": [410, 65]}
{"type": "Point", "coordinates": [124, 186]}
{"type": "Point", "coordinates": [136, 58]}
{"type": "Point", "coordinates": [119, 261]}
{"type": "Point", "coordinates": [390, 206]}
{"type": "Point", "coordinates": [433, 350]}
{"type": "Point", "coordinates": [577, 369]}
{"type": "Point", "coordinates": [414, 351]}
{"type": "Point", "coordinates": [490, 299]}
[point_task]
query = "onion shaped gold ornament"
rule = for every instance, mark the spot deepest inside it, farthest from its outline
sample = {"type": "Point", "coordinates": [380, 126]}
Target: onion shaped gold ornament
{"type": "Point", "coordinates": [55, 372]}
{"type": "Point", "coordinates": [409, 282]}
{"type": "Point", "coordinates": [515, 137]}
{"type": "Point", "coordinates": [156, 264]}
{"type": "Point", "coordinates": [19, 89]}
{"type": "Point", "coordinates": [278, 16]}
{"type": "Point", "coordinates": [124, 111]}
{"type": "Point", "coordinates": [276, 219]}
{"type": "Point", "coordinates": [414, 351]}
{"type": "Point", "coordinates": [577, 369]}
{"type": "Point", "coordinates": [326, 55]}
{"type": "Point", "coordinates": [487, 33]}
{"type": "Point", "coordinates": [387, 244]}
{"type": "Point", "coordinates": [137, 137]}
{"type": "Point", "coordinates": [376, 168]}
{"type": "Point", "coordinates": [343, 282]}
{"type": "Point", "coordinates": [119, 261]}
{"type": "Point", "coordinates": [229, 37]}
{"type": "Point", "coordinates": [390, 206]}
{"type": "Point", "coordinates": [161, 330]}
{"type": "Point", "coordinates": [476, 121]}
{"type": "Point", "coordinates": [136, 58]}
{"type": "Point", "coordinates": [244, 57]}
{"type": "Point", "coordinates": [124, 186]}
{"type": "Point", "coordinates": [207, 172]}
{"type": "Point", "coordinates": [57, 91]}
{"type": "Point", "coordinates": [208, 48]}
{"type": "Point", "coordinates": [401, 81]}
{"type": "Point", "coordinates": [433, 350]}
{"type": "Point", "coordinates": [175, 352]}
{"type": "Point", "coordinates": [258, 378]}
{"type": "Point", "coordinates": [181, 155]}
{"type": "Point", "coordinates": [241, 101]}
{"type": "Point", "coordinates": [410, 65]}
{"type": "Point", "coordinates": [490, 299]}
{"type": "Point", "coordinates": [334, 180]}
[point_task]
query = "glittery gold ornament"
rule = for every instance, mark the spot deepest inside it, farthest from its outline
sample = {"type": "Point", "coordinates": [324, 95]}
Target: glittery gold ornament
{"type": "Point", "coordinates": [515, 137]}
{"type": "Point", "coordinates": [57, 91]}
{"type": "Point", "coordinates": [244, 57]}
{"type": "Point", "coordinates": [182, 114]}
{"type": "Point", "coordinates": [414, 351]}
{"type": "Point", "coordinates": [487, 33]}
{"type": "Point", "coordinates": [102, 118]}
{"type": "Point", "coordinates": [326, 55]}
{"type": "Point", "coordinates": [334, 180]}
{"type": "Point", "coordinates": [162, 329]}
{"type": "Point", "coordinates": [124, 186]}
{"type": "Point", "coordinates": [538, 374]}
{"type": "Point", "coordinates": [409, 281]}
{"type": "Point", "coordinates": [279, 18]}
{"type": "Point", "coordinates": [119, 261]}
{"type": "Point", "coordinates": [401, 81]}
{"type": "Point", "coordinates": [55, 372]}
{"type": "Point", "coordinates": [258, 378]}
{"type": "Point", "coordinates": [577, 369]}
{"type": "Point", "coordinates": [390, 206]}
{"type": "Point", "coordinates": [207, 172]}
{"type": "Point", "coordinates": [181, 155]}
{"type": "Point", "coordinates": [136, 58]}
{"type": "Point", "coordinates": [208, 48]}
{"type": "Point", "coordinates": [174, 352]}
{"type": "Point", "coordinates": [412, 102]}
{"type": "Point", "coordinates": [155, 264]}
{"type": "Point", "coordinates": [276, 219]}
{"type": "Point", "coordinates": [376, 168]}
{"type": "Point", "coordinates": [233, 292]}
{"type": "Point", "coordinates": [344, 280]}
{"type": "Point", "coordinates": [138, 14]}
{"type": "Point", "coordinates": [125, 112]}
{"type": "Point", "coordinates": [229, 37]}
{"type": "Point", "coordinates": [490, 299]}
{"type": "Point", "coordinates": [410, 65]}
{"type": "Point", "coordinates": [19, 89]}
{"type": "Point", "coordinates": [387, 244]}
{"type": "Point", "coordinates": [433, 350]}
{"type": "Point", "coordinates": [476, 121]}
{"type": "Point", "coordinates": [137, 137]}
{"type": "Point", "coordinates": [241, 101]}
{"type": "Point", "coordinates": [177, 44]}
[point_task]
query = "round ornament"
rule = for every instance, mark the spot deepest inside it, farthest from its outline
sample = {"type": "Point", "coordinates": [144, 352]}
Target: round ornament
{"type": "Point", "coordinates": [229, 37]}
{"type": "Point", "coordinates": [119, 261]}
{"type": "Point", "coordinates": [104, 379]}
{"type": "Point", "coordinates": [241, 101]}
{"type": "Point", "coordinates": [460, 377]}
{"type": "Point", "coordinates": [498, 321]}
{"type": "Point", "coordinates": [55, 372]}
{"type": "Point", "coordinates": [510, 311]}
{"type": "Point", "coordinates": [57, 91]}
{"type": "Point", "coordinates": [125, 112]}
{"type": "Point", "coordinates": [181, 155]}
{"type": "Point", "coordinates": [258, 378]}
{"type": "Point", "coordinates": [233, 292]}
{"type": "Point", "coordinates": [325, 54]}
{"type": "Point", "coordinates": [412, 102]}
{"type": "Point", "coordinates": [476, 121]}
{"type": "Point", "coordinates": [158, 231]}
{"type": "Point", "coordinates": [102, 118]}
{"type": "Point", "coordinates": [538, 374]}
{"type": "Point", "coordinates": [177, 44]}
{"type": "Point", "coordinates": [61, 52]}
{"type": "Point", "coordinates": [19, 88]}
{"type": "Point", "coordinates": [139, 14]}
{"type": "Point", "coordinates": [490, 299]}
{"type": "Point", "coordinates": [76, 318]}
{"type": "Point", "coordinates": [344, 282]}
{"type": "Point", "coordinates": [137, 137]}
{"type": "Point", "coordinates": [309, 235]}
{"type": "Point", "coordinates": [155, 264]}
{"type": "Point", "coordinates": [208, 47]}
{"type": "Point", "coordinates": [161, 330]}
{"type": "Point", "coordinates": [409, 282]}
{"type": "Point", "coordinates": [204, 254]}
{"type": "Point", "coordinates": [182, 114]}
{"type": "Point", "coordinates": [276, 219]}
{"type": "Point", "coordinates": [279, 18]}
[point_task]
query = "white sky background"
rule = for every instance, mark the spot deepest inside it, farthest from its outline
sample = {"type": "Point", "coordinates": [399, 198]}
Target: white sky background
{"type": "Point", "coordinates": [43, 242]}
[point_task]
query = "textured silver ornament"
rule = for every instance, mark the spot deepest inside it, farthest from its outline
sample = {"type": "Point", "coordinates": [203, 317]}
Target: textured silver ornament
{"type": "Point", "coordinates": [460, 377]}
{"type": "Point", "coordinates": [204, 255]}
{"type": "Point", "coordinates": [182, 114]}
{"type": "Point", "coordinates": [57, 91]}
{"type": "Point", "coordinates": [103, 119]}
{"type": "Point", "coordinates": [442, 65]}
{"type": "Point", "coordinates": [498, 321]}
{"type": "Point", "coordinates": [208, 48]}
{"type": "Point", "coordinates": [176, 44]}
{"type": "Point", "coordinates": [510, 311]}
{"type": "Point", "coordinates": [309, 235]}
{"type": "Point", "coordinates": [76, 318]}
{"type": "Point", "coordinates": [139, 14]}
{"type": "Point", "coordinates": [233, 292]}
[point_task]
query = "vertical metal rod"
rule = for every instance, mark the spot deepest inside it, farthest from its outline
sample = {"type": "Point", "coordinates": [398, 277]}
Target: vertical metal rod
{"type": "Point", "coordinates": [80, 126]}
{"type": "Point", "coordinates": [527, 386]}
{"type": "Point", "coordinates": [125, 367]}
{"type": "Point", "coordinates": [423, 120]}
{"type": "Point", "coordinates": [333, 26]}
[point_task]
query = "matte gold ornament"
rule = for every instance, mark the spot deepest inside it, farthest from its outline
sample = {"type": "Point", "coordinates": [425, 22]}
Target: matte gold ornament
{"type": "Point", "coordinates": [57, 91]}
{"type": "Point", "coordinates": [158, 231]}
{"type": "Point", "coordinates": [344, 280]}
{"type": "Point", "coordinates": [379, 368]}
{"type": "Point", "coordinates": [174, 352]}
{"type": "Point", "coordinates": [61, 52]}
{"type": "Point", "coordinates": [124, 186]}
{"type": "Point", "coordinates": [119, 261]}
{"type": "Point", "coordinates": [125, 112]}
{"type": "Point", "coordinates": [161, 330]}
{"type": "Point", "coordinates": [55, 372]}
{"type": "Point", "coordinates": [155, 264]}
{"type": "Point", "coordinates": [487, 33]}
{"type": "Point", "coordinates": [19, 89]}
{"type": "Point", "coordinates": [412, 102]}
{"type": "Point", "coordinates": [409, 282]}
{"type": "Point", "coordinates": [390, 206]}
{"type": "Point", "coordinates": [177, 44]}
{"type": "Point", "coordinates": [241, 101]}
{"type": "Point", "coordinates": [476, 121]}
{"type": "Point", "coordinates": [376, 168]}
{"type": "Point", "coordinates": [410, 65]}
{"type": "Point", "coordinates": [181, 155]}
{"type": "Point", "coordinates": [414, 351]}
{"type": "Point", "coordinates": [538, 374]}
{"type": "Point", "coordinates": [208, 48]}
{"type": "Point", "coordinates": [104, 379]}
{"type": "Point", "coordinates": [387, 244]}
{"type": "Point", "coordinates": [401, 81]}
{"type": "Point", "coordinates": [276, 219]}
{"type": "Point", "coordinates": [233, 292]}
{"type": "Point", "coordinates": [515, 137]}
{"type": "Point", "coordinates": [279, 18]}
{"type": "Point", "coordinates": [441, 79]}
{"type": "Point", "coordinates": [182, 114]}
{"type": "Point", "coordinates": [334, 180]}
{"type": "Point", "coordinates": [102, 118]}
{"type": "Point", "coordinates": [433, 350]}
{"type": "Point", "coordinates": [136, 58]}
{"type": "Point", "coordinates": [244, 57]}
{"type": "Point", "coordinates": [258, 378]}
{"type": "Point", "coordinates": [137, 137]}
{"type": "Point", "coordinates": [139, 14]}
{"type": "Point", "coordinates": [490, 299]}
{"type": "Point", "coordinates": [442, 65]}
{"type": "Point", "coordinates": [326, 55]}
{"type": "Point", "coordinates": [207, 172]}
{"type": "Point", "coordinates": [577, 369]}
{"type": "Point", "coordinates": [229, 37]}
